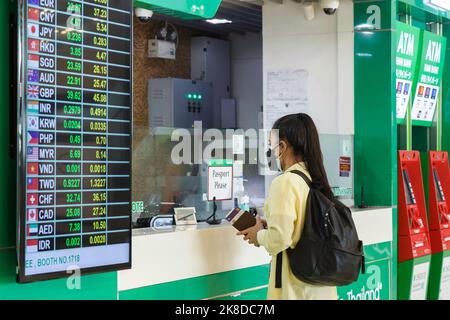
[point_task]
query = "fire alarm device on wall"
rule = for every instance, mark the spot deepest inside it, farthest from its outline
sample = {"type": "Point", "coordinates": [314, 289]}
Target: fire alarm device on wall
{"type": "Point", "coordinates": [161, 49]}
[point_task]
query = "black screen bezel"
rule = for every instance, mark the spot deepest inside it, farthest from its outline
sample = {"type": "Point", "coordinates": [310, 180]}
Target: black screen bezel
{"type": "Point", "coordinates": [21, 160]}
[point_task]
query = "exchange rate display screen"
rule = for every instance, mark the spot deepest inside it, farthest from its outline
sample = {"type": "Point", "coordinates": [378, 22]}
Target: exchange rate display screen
{"type": "Point", "coordinates": [74, 143]}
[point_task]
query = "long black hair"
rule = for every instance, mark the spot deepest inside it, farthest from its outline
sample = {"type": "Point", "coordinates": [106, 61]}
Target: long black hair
{"type": "Point", "coordinates": [300, 132]}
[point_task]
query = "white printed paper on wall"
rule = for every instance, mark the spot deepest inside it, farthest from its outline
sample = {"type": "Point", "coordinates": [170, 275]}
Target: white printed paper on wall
{"type": "Point", "coordinates": [287, 85]}
{"type": "Point", "coordinates": [277, 109]}
{"type": "Point", "coordinates": [287, 93]}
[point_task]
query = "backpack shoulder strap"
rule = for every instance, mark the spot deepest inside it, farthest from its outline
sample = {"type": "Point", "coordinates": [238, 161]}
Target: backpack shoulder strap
{"type": "Point", "coordinates": [304, 177]}
{"type": "Point", "coordinates": [278, 267]}
{"type": "Point", "coordinates": [279, 260]}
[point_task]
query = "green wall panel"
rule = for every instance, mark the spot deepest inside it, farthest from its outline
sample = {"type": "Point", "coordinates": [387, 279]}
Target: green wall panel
{"type": "Point", "coordinates": [378, 277]}
{"type": "Point", "coordinates": [202, 287]}
{"type": "Point", "coordinates": [375, 111]}
{"type": "Point", "coordinates": [378, 251]}
{"type": "Point", "coordinates": [375, 124]}
{"type": "Point", "coordinates": [99, 286]}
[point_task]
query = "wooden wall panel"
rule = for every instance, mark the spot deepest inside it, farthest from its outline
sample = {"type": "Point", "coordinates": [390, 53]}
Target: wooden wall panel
{"type": "Point", "coordinates": [145, 68]}
{"type": "Point", "coordinates": [151, 154]}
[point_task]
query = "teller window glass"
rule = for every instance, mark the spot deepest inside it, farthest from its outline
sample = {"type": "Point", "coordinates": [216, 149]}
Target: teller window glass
{"type": "Point", "coordinates": [160, 183]}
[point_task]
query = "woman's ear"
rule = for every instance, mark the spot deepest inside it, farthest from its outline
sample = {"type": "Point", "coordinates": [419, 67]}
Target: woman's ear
{"type": "Point", "coordinates": [283, 147]}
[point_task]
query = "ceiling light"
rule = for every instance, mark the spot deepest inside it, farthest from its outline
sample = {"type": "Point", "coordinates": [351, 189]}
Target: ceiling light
{"type": "Point", "coordinates": [218, 21]}
{"type": "Point", "coordinates": [441, 4]}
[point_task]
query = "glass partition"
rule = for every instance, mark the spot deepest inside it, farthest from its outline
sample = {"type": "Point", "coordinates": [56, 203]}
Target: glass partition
{"type": "Point", "coordinates": [171, 172]}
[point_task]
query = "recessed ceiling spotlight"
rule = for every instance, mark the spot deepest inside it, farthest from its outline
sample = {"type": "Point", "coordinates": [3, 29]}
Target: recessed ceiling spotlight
{"type": "Point", "coordinates": [218, 21]}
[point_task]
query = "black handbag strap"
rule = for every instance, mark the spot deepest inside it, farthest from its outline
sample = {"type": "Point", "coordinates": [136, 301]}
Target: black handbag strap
{"type": "Point", "coordinates": [279, 264]}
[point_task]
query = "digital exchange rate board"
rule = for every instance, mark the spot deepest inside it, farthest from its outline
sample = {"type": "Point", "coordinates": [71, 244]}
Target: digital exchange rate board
{"type": "Point", "coordinates": [75, 186]}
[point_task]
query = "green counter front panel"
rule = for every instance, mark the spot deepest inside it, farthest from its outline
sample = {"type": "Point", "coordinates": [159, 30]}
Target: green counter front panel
{"type": "Point", "coordinates": [376, 283]}
{"type": "Point", "coordinates": [251, 283]}
{"type": "Point", "coordinates": [212, 286]}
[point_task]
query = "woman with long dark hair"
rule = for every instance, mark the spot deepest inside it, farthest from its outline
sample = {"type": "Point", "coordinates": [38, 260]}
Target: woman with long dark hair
{"type": "Point", "coordinates": [294, 145]}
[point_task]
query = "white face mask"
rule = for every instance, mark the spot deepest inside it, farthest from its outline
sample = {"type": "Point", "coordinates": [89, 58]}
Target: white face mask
{"type": "Point", "coordinates": [278, 163]}
{"type": "Point", "coordinates": [278, 160]}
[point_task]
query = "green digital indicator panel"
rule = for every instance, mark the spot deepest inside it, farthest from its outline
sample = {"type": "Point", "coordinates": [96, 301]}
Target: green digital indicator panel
{"type": "Point", "coordinates": [185, 9]}
{"type": "Point", "coordinates": [74, 199]}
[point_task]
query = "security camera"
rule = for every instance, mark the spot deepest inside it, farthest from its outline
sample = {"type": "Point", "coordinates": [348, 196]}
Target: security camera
{"type": "Point", "coordinates": [308, 10]}
{"type": "Point", "coordinates": [143, 15]}
{"type": "Point", "coordinates": [329, 6]}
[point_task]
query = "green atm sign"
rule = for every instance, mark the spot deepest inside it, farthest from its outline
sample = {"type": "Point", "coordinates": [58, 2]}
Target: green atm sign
{"type": "Point", "coordinates": [184, 9]}
{"type": "Point", "coordinates": [429, 78]}
{"type": "Point", "coordinates": [407, 52]}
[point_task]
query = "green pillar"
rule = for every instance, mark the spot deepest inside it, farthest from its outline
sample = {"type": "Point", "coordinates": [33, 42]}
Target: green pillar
{"type": "Point", "coordinates": [375, 110]}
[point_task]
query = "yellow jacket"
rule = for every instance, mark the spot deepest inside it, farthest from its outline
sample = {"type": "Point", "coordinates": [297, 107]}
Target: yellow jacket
{"type": "Point", "coordinates": [285, 213]}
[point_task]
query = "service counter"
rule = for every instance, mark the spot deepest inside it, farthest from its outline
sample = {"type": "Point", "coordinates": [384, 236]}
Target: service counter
{"type": "Point", "coordinates": [210, 262]}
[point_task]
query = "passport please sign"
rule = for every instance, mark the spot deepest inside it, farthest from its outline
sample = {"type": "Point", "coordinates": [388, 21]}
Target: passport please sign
{"type": "Point", "coordinates": [220, 181]}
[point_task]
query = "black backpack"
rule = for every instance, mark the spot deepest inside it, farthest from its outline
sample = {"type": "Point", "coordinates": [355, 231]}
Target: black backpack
{"type": "Point", "coordinates": [329, 252]}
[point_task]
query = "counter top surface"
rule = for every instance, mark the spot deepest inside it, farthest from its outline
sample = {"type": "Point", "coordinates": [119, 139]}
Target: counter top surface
{"type": "Point", "coordinates": [199, 226]}
{"type": "Point", "coordinates": [226, 224]}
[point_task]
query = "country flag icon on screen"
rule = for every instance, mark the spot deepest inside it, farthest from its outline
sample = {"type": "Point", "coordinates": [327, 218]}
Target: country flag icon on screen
{"type": "Point", "coordinates": [33, 14]}
{"type": "Point", "coordinates": [32, 215]}
{"type": "Point", "coordinates": [33, 45]}
{"type": "Point", "coordinates": [32, 153]}
{"type": "Point", "coordinates": [33, 30]}
{"type": "Point", "coordinates": [33, 2]}
{"type": "Point", "coordinates": [32, 230]}
{"type": "Point", "coordinates": [32, 246]}
{"type": "Point", "coordinates": [33, 107]}
{"type": "Point", "coordinates": [33, 75]}
{"type": "Point", "coordinates": [32, 168]}
{"type": "Point", "coordinates": [33, 61]}
{"type": "Point", "coordinates": [32, 184]}
{"type": "Point", "coordinates": [33, 123]}
{"type": "Point", "coordinates": [33, 92]}
{"type": "Point", "coordinates": [32, 199]}
{"type": "Point", "coordinates": [32, 137]}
